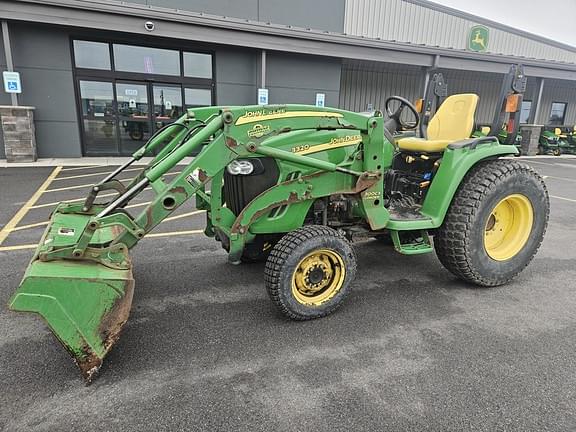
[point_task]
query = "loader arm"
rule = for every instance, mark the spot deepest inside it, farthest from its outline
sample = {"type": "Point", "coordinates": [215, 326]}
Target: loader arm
{"type": "Point", "coordinates": [80, 278]}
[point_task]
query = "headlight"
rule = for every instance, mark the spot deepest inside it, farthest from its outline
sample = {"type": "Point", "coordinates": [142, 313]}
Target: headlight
{"type": "Point", "coordinates": [240, 167]}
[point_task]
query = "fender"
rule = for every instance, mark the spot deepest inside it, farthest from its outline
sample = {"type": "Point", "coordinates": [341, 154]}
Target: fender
{"type": "Point", "coordinates": [456, 163]}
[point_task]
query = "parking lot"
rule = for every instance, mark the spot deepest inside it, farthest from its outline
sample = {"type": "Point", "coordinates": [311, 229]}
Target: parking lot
{"type": "Point", "coordinates": [413, 348]}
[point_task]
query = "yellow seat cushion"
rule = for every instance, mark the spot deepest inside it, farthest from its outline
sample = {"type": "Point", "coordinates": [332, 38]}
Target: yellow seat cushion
{"type": "Point", "coordinates": [454, 121]}
{"type": "Point", "coordinates": [422, 145]}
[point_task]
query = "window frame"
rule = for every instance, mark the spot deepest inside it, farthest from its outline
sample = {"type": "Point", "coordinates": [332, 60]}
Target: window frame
{"type": "Point", "coordinates": [73, 50]}
{"type": "Point", "coordinates": [563, 118]}
{"type": "Point", "coordinates": [529, 111]}
{"type": "Point", "coordinates": [113, 76]}
{"type": "Point", "coordinates": [127, 76]}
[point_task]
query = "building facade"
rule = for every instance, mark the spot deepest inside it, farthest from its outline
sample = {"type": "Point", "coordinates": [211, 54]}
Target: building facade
{"type": "Point", "coordinates": [104, 75]}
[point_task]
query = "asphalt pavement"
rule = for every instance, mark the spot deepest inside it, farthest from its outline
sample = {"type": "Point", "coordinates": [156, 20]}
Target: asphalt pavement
{"type": "Point", "coordinates": [204, 349]}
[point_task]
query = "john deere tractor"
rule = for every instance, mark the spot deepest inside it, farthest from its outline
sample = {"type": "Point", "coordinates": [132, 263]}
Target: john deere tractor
{"type": "Point", "coordinates": [549, 143]}
{"type": "Point", "coordinates": [566, 140]}
{"type": "Point", "coordinates": [294, 185]}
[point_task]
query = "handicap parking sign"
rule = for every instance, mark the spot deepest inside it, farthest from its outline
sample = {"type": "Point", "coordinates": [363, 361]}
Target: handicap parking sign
{"type": "Point", "coordinates": [12, 82]}
{"type": "Point", "coordinates": [262, 96]}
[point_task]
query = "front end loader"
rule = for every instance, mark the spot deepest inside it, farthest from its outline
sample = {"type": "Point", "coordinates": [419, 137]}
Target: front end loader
{"type": "Point", "coordinates": [293, 185]}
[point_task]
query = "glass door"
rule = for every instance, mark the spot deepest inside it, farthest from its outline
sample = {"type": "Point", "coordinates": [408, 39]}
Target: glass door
{"type": "Point", "coordinates": [121, 115]}
{"type": "Point", "coordinates": [168, 105]}
{"type": "Point", "coordinates": [98, 119]}
{"type": "Point", "coordinates": [133, 111]}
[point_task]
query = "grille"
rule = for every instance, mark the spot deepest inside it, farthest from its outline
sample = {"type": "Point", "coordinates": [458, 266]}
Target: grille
{"type": "Point", "coordinates": [239, 190]}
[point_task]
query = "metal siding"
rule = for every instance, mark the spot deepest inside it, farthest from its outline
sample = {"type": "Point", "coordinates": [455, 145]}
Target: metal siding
{"type": "Point", "coordinates": [399, 22]}
{"type": "Point", "coordinates": [485, 85]}
{"type": "Point", "coordinates": [370, 82]}
{"type": "Point", "coordinates": [366, 82]}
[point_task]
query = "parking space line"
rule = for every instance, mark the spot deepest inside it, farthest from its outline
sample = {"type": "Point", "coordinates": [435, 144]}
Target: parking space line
{"type": "Point", "coordinates": [7, 229]}
{"type": "Point", "coordinates": [84, 167]}
{"type": "Point", "coordinates": [94, 174]}
{"type": "Point", "coordinates": [138, 205]}
{"type": "Point", "coordinates": [565, 165]}
{"type": "Point", "coordinates": [17, 247]}
{"type": "Point", "coordinates": [537, 162]}
{"type": "Point", "coordinates": [92, 184]}
{"type": "Point", "coordinates": [34, 225]}
{"type": "Point", "coordinates": [562, 198]}
{"type": "Point", "coordinates": [152, 235]}
{"type": "Point", "coordinates": [50, 204]}
{"type": "Point", "coordinates": [55, 203]}
{"type": "Point", "coordinates": [84, 186]}
{"type": "Point", "coordinates": [173, 218]}
{"type": "Point", "coordinates": [174, 233]}
{"type": "Point", "coordinates": [562, 178]}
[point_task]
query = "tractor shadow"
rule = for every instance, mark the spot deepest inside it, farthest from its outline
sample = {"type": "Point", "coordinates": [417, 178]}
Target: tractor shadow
{"type": "Point", "coordinates": [212, 312]}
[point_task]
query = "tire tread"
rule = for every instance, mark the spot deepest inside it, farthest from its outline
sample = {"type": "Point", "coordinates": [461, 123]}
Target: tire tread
{"type": "Point", "coordinates": [452, 241]}
{"type": "Point", "coordinates": [280, 253]}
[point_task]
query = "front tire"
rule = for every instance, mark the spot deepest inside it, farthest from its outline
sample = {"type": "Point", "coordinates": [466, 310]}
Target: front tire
{"type": "Point", "coordinates": [495, 223]}
{"type": "Point", "coordinates": [309, 272]}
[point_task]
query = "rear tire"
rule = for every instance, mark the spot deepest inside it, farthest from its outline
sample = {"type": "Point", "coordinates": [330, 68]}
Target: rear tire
{"type": "Point", "coordinates": [309, 272]}
{"type": "Point", "coordinates": [495, 223]}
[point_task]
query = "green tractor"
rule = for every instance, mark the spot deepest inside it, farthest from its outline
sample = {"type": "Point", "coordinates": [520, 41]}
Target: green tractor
{"type": "Point", "coordinates": [566, 140]}
{"type": "Point", "coordinates": [502, 137]}
{"type": "Point", "coordinates": [293, 185]}
{"type": "Point", "coordinates": [549, 143]}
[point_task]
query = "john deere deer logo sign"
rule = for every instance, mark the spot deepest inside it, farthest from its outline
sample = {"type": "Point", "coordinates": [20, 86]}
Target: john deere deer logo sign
{"type": "Point", "coordinates": [478, 39]}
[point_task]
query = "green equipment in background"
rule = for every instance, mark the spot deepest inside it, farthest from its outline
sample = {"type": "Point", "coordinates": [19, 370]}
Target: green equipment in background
{"type": "Point", "coordinates": [549, 143]}
{"type": "Point", "coordinates": [502, 136]}
{"type": "Point", "coordinates": [294, 185]}
{"type": "Point", "coordinates": [566, 139]}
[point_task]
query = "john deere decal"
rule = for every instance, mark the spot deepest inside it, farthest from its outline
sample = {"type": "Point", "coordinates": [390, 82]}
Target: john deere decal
{"type": "Point", "coordinates": [478, 39]}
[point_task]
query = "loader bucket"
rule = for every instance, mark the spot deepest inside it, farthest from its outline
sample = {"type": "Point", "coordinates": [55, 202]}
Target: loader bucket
{"type": "Point", "coordinates": [85, 303]}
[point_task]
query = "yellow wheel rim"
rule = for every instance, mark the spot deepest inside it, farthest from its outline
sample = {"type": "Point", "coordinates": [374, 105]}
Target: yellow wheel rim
{"type": "Point", "coordinates": [508, 227]}
{"type": "Point", "coordinates": [318, 277]}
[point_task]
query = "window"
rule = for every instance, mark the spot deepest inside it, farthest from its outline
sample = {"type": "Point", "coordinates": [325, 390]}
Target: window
{"type": "Point", "coordinates": [197, 97]}
{"type": "Point", "coordinates": [557, 113]}
{"type": "Point", "coordinates": [154, 61]}
{"type": "Point", "coordinates": [525, 111]}
{"type": "Point", "coordinates": [167, 101]}
{"type": "Point", "coordinates": [91, 55]}
{"type": "Point", "coordinates": [197, 65]}
{"type": "Point", "coordinates": [97, 98]}
{"type": "Point", "coordinates": [126, 92]}
{"type": "Point", "coordinates": [132, 100]}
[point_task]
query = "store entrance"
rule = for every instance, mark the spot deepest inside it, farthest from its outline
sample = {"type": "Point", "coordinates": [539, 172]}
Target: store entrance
{"type": "Point", "coordinates": [127, 92]}
{"type": "Point", "coordinates": [118, 118]}
{"type": "Point", "coordinates": [142, 109]}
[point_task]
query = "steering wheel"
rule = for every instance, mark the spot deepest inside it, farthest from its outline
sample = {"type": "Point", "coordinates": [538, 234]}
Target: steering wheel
{"type": "Point", "coordinates": [393, 126]}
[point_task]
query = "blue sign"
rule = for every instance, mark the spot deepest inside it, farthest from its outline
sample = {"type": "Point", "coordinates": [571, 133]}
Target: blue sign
{"type": "Point", "coordinates": [262, 96]}
{"type": "Point", "coordinates": [12, 82]}
{"type": "Point", "coordinates": [320, 100]}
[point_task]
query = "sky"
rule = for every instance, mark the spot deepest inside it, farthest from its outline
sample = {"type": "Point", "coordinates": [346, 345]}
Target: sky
{"type": "Point", "coordinates": [554, 19]}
